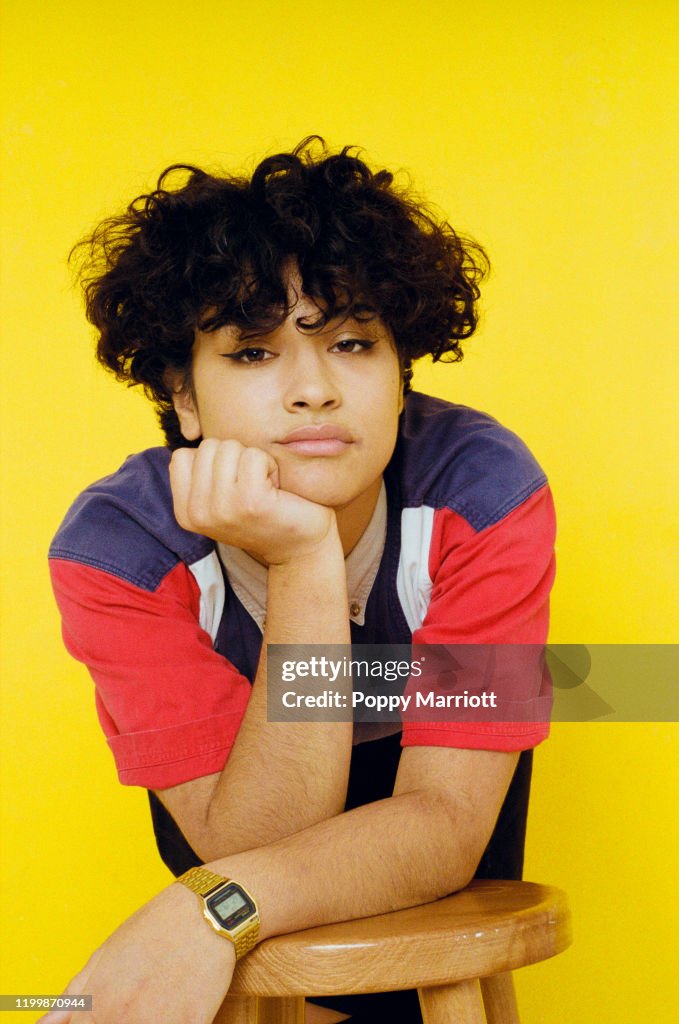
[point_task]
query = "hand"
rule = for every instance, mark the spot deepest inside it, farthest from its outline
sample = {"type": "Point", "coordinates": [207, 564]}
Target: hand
{"type": "Point", "coordinates": [232, 494]}
{"type": "Point", "coordinates": [165, 963]}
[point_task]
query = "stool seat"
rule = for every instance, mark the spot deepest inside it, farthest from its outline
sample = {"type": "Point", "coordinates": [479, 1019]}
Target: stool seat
{"type": "Point", "coordinates": [489, 928]}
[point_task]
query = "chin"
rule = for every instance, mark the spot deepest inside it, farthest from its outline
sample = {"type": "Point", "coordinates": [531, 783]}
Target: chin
{"type": "Point", "coordinates": [321, 487]}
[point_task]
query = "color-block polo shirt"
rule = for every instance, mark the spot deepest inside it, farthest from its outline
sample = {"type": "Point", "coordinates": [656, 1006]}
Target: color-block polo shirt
{"type": "Point", "coordinates": [467, 557]}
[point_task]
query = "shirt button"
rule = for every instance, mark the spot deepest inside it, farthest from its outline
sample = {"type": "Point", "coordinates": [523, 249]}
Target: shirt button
{"type": "Point", "coordinates": [354, 609]}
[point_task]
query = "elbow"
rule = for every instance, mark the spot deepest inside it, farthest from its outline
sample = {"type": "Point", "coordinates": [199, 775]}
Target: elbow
{"type": "Point", "coordinates": [211, 837]}
{"type": "Point", "coordinates": [458, 847]}
{"type": "Point", "coordinates": [456, 875]}
{"type": "Point", "coordinates": [209, 848]}
{"type": "Point", "coordinates": [217, 838]}
{"type": "Point", "coordinates": [207, 844]}
{"type": "Point", "coordinates": [464, 874]}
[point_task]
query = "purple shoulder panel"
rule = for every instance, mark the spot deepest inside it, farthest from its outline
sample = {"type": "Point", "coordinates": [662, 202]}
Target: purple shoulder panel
{"type": "Point", "coordinates": [124, 524]}
{"type": "Point", "coordinates": [451, 456]}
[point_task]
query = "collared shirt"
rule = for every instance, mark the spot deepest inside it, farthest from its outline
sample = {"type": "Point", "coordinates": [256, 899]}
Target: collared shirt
{"type": "Point", "coordinates": [468, 559]}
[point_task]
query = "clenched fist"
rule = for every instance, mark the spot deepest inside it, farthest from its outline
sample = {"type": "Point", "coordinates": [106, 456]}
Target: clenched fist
{"type": "Point", "coordinates": [231, 493]}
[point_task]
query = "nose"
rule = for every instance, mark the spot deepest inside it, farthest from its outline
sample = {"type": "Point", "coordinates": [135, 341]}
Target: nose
{"type": "Point", "coordinates": [311, 383]}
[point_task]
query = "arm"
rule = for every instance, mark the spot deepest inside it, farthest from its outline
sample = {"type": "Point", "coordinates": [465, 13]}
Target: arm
{"type": "Point", "coordinates": [279, 778]}
{"type": "Point", "coordinates": [420, 844]}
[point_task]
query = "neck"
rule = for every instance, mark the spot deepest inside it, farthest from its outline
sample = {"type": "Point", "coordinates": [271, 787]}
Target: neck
{"type": "Point", "coordinates": [353, 519]}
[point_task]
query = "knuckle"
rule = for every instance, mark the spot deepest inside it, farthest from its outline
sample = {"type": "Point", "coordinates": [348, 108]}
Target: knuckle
{"type": "Point", "coordinates": [256, 454]}
{"type": "Point", "coordinates": [228, 447]}
{"type": "Point", "coordinates": [252, 508]}
{"type": "Point", "coordinates": [208, 444]}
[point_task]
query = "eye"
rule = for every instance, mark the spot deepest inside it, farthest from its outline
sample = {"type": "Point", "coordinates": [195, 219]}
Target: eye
{"type": "Point", "coordinates": [352, 345]}
{"type": "Point", "coordinates": [250, 355]}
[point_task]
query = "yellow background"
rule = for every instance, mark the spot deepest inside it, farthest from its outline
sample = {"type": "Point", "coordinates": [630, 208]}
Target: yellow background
{"type": "Point", "coordinates": [546, 131]}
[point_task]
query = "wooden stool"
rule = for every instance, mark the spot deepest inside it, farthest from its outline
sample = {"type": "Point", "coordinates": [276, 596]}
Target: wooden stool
{"type": "Point", "coordinates": [442, 949]}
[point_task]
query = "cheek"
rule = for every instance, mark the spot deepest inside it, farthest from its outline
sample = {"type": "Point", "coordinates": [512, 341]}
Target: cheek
{"type": "Point", "coordinates": [383, 433]}
{"type": "Point", "coordinates": [224, 414]}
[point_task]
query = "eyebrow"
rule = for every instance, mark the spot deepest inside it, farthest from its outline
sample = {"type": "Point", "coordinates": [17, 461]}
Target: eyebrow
{"type": "Point", "coordinates": [337, 323]}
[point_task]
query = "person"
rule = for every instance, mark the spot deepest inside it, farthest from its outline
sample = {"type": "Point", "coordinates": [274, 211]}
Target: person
{"type": "Point", "coordinates": [306, 495]}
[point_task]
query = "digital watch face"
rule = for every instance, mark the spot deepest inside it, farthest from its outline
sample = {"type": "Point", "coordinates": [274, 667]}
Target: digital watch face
{"type": "Point", "coordinates": [230, 906]}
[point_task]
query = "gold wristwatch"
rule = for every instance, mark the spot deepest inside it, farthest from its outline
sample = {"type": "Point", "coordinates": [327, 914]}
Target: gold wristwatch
{"type": "Point", "coordinates": [229, 908]}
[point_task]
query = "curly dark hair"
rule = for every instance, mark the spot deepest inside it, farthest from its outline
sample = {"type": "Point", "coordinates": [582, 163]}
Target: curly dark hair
{"type": "Point", "coordinates": [217, 250]}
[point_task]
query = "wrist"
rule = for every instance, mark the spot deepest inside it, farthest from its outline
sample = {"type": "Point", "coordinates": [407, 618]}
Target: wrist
{"type": "Point", "coordinates": [182, 916]}
{"type": "Point", "coordinates": [325, 549]}
{"type": "Point", "coordinates": [228, 908]}
{"type": "Point", "coordinates": [252, 869]}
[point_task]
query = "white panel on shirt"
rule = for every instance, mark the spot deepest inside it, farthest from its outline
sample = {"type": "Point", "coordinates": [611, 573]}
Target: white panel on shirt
{"type": "Point", "coordinates": [413, 583]}
{"type": "Point", "coordinates": [208, 575]}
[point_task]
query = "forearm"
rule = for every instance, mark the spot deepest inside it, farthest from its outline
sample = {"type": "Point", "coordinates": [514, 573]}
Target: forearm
{"type": "Point", "coordinates": [364, 862]}
{"type": "Point", "coordinates": [282, 777]}
{"type": "Point", "coordinates": [418, 845]}
{"type": "Point", "coordinates": [396, 853]}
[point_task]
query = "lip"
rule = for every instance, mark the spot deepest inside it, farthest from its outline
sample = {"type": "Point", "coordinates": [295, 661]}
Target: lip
{"type": "Point", "coordinates": [319, 432]}
{"type": "Point", "coordinates": [324, 439]}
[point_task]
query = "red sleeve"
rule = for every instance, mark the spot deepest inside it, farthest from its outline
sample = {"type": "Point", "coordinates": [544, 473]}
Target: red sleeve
{"type": "Point", "coordinates": [169, 704]}
{"type": "Point", "coordinates": [488, 587]}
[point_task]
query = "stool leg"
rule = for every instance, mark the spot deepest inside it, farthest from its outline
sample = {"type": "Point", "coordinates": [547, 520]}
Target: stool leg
{"type": "Point", "coordinates": [260, 1010]}
{"type": "Point", "coordinates": [237, 1010]}
{"type": "Point", "coordinates": [280, 1010]}
{"type": "Point", "coordinates": [499, 999]}
{"type": "Point", "coordinates": [452, 1004]}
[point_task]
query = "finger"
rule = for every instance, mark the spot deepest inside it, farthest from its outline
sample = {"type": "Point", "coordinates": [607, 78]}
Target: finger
{"type": "Point", "coordinates": [223, 497]}
{"type": "Point", "coordinates": [213, 480]}
{"type": "Point", "coordinates": [67, 1017]}
{"type": "Point", "coordinates": [257, 471]}
{"type": "Point", "coordinates": [76, 986]}
{"type": "Point", "coordinates": [181, 471]}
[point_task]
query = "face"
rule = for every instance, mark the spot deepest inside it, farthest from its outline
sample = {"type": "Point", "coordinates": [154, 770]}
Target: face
{"type": "Point", "coordinates": [324, 404]}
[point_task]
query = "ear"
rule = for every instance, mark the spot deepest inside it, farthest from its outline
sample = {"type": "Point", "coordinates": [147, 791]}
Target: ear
{"type": "Point", "coordinates": [184, 403]}
{"type": "Point", "coordinates": [402, 392]}
{"type": "Point", "coordinates": [406, 380]}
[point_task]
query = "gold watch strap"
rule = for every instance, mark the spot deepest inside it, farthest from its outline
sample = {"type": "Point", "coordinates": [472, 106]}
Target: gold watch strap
{"type": "Point", "coordinates": [202, 882]}
{"type": "Point", "coordinates": [247, 941]}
